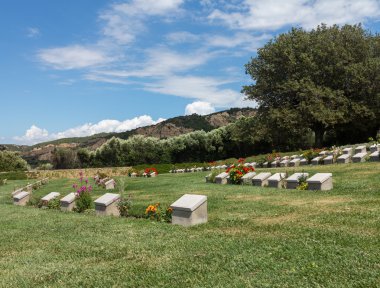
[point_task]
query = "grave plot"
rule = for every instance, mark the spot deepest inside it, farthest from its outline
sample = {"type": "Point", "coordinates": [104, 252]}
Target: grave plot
{"type": "Point", "coordinates": [320, 181]}
{"type": "Point", "coordinates": [189, 210]}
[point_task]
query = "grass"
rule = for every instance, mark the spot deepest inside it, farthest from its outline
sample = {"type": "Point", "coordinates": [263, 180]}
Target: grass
{"type": "Point", "coordinates": [255, 237]}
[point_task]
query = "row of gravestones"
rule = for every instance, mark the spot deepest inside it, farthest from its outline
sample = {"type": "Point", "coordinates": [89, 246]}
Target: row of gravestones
{"type": "Point", "coordinates": [29, 187]}
{"type": "Point", "coordinates": [107, 183]}
{"type": "Point", "coordinates": [319, 181]}
{"type": "Point", "coordinates": [327, 157]}
{"type": "Point", "coordinates": [153, 174]}
{"type": "Point", "coordinates": [187, 170]}
{"type": "Point", "coordinates": [188, 210]}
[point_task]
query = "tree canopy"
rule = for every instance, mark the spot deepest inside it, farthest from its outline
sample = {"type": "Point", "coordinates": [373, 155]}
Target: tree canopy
{"type": "Point", "coordinates": [324, 79]}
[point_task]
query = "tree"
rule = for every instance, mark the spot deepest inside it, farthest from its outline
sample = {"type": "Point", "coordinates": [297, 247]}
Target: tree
{"type": "Point", "coordinates": [313, 76]}
{"type": "Point", "coordinates": [11, 161]}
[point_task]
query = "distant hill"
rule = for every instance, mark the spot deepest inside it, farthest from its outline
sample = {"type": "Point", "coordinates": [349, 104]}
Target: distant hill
{"type": "Point", "coordinates": [169, 128]}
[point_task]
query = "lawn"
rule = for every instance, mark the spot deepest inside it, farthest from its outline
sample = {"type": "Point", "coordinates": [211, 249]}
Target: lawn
{"type": "Point", "coordinates": [255, 237]}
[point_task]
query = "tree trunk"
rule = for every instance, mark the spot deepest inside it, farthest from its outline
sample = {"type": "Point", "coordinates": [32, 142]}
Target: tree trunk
{"type": "Point", "coordinates": [318, 143]}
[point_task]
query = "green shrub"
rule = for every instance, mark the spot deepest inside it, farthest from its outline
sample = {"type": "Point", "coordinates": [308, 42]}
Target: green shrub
{"type": "Point", "coordinates": [54, 204]}
{"type": "Point", "coordinates": [124, 206]}
{"type": "Point", "coordinates": [83, 202]}
{"type": "Point", "coordinates": [11, 161]}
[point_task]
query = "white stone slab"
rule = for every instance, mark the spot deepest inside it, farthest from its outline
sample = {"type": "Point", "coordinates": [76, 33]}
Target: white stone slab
{"type": "Point", "coordinates": [323, 153]}
{"type": "Point", "coordinates": [347, 150]}
{"type": "Point", "coordinates": [359, 157]}
{"type": "Point", "coordinates": [189, 210]}
{"type": "Point", "coordinates": [319, 178]}
{"type": "Point", "coordinates": [303, 162]}
{"type": "Point", "coordinates": [107, 199]}
{"type": "Point", "coordinates": [374, 156]}
{"type": "Point", "coordinates": [189, 202]}
{"type": "Point", "coordinates": [21, 195]}
{"type": "Point", "coordinates": [320, 181]}
{"type": "Point", "coordinates": [284, 163]}
{"type": "Point", "coordinates": [17, 191]}
{"type": "Point", "coordinates": [110, 184]}
{"type": "Point", "coordinates": [69, 198]}
{"type": "Point", "coordinates": [265, 164]}
{"type": "Point", "coordinates": [360, 149]}
{"type": "Point", "coordinates": [296, 176]}
{"type": "Point", "coordinates": [50, 196]}
{"type": "Point", "coordinates": [224, 167]}
{"type": "Point", "coordinates": [328, 160]}
{"type": "Point", "coordinates": [262, 176]}
{"type": "Point", "coordinates": [253, 164]}
{"type": "Point", "coordinates": [274, 164]}
{"type": "Point", "coordinates": [374, 148]}
{"type": "Point", "coordinates": [315, 161]}
{"type": "Point", "coordinates": [343, 159]}
{"type": "Point", "coordinates": [277, 177]}
{"type": "Point", "coordinates": [294, 162]}
{"type": "Point", "coordinates": [249, 175]}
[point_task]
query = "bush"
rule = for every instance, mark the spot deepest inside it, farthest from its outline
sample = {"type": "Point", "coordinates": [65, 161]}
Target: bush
{"type": "Point", "coordinates": [124, 206]}
{"type": "Point", "coordinates": [83, 202]}
{"type": "Point", "coordinates": [11, 161]}
{"type": "Point", "coordinates": [54, 204]}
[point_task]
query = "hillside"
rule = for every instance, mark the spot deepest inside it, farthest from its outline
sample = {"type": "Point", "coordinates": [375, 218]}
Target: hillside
{"type": "Point", "coordinates": [166, 129]}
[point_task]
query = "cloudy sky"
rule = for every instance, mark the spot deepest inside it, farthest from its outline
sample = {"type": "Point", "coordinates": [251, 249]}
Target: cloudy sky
{"type": "Point", "coordinates": [78, 67]}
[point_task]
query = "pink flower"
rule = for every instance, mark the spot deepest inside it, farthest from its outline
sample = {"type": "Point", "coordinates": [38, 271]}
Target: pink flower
{"type": "Point", "coordinates": [86, 181]}
{"type": "Point", "coordinates": [90, 188]}
{"type": "Point", "coordinates": [75, 186]}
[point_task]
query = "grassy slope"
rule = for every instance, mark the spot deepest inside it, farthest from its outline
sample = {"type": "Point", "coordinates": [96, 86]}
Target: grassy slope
{"type": "Point", "coordinates": [255, 236]}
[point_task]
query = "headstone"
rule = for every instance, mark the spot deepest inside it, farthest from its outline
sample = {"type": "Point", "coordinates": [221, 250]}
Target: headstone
{"type": "Point", "coordinates": [295, 162]}
{"type": "Point", "coordinates": [360, 149]}
{"type": "Point", "coordinates": [304, 162]}
{"type": "Point", "coordinates": [21, 198]}
{"type": "Point", "coordinates": [375, 147]}
{"type": "Point", "coordinates": [374, 156]}
{"type": "Point", "coordinates": [224, 167]}
{"type": "Point", "coordinates": [110, 184]}
{"type": "Point", "coordinates": [359, 157]}
{"type": "Point", "coordinates": [284, 163]}
{"type": "Point", "coordinates": [344, 159]}
{"type": "Point", "coordinates": [107, 205]}
{"type": "Point", "coordinates": [265, 164]}
{"type": "Point", "coordinates": [253, 164]}
{"type": "Point", "coordinates": [221, 178]}
{"type": "Point", "coordinates": [14, 193]}
{"type": "Point", "coordinates": [134, 175]}
{"type": "Point", "coordinates": [323, 153]}
{"type": "Point", "coordinates": [294, 157]}
{"type": "Point", "coordinates": [315, 161]}
{"type": "Point", "coordinates": [277, 180]}
{"type": "Point", "coordinates": [347, 151]}
{"type": "Point", "coordinates": [29, 188]}
{"type": "Point", "coordinates": [52, 195]}
{"type": "Point", "coordinates": [68, 202]}
{"type": "Point", "coordinates": [320, 181]}
{"type": "Point", "coordinates": [247, 178]}
{"type": "Point", "coordinates": [293, 181]}
{"type": "Point", "coordinates": [261, 179]}
{"type": "Point", "coordinates": [189, 210]}
{"type": "Point", "coordinates": [274, 164]}
{"type": "Point", "coordinates": [328, 160]}
{"type": "Point", "coordinates": [154, 174]}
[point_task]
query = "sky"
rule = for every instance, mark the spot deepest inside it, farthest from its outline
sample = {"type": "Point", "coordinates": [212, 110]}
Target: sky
{"type": "Point", "coordinates": [78, 67]}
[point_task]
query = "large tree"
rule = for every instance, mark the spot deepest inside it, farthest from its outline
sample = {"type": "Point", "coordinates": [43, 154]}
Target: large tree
{"type": "Point", "coordinates": [328, 78]}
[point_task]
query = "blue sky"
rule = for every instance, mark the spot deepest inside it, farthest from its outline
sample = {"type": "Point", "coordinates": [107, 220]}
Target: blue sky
{"type": "Point", "coordinates": [79, 67]}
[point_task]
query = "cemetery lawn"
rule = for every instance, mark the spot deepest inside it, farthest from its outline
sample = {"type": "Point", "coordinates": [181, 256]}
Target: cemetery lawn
{"type": "Point", "coordinates": [255, 237]}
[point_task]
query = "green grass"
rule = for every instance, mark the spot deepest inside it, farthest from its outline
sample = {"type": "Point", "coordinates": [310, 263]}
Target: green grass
{"type": "Point", "coordinates": [255, 237]}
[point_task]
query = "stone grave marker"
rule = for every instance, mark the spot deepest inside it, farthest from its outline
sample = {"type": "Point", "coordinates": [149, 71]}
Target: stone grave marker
{"type": "Point", "coordinates": [315, 161]}
{"type": "Point", "coordinates": [21, 198]}
{"type": "Point", "coordinates": [320, 181]}
{"type": "Point", "coordinates": [344, 159]}
{"type": "Point", "coordinates": [247, 178]}
{"type": "Point", "coordinates": [293, 180]}
{"type": "Point", "coordinates": [328, 160]}
{"type": "Point", "coordinates": [261, 179]}
{"type": "Point", "coordinates": [347, 151]}
{"type": "Point", "coordinates": [277, 180]}
{"type": "Point", "coordinates": [359, 157]}
{"type": "Point", "coordinates": [360, 149]}
{"type": "Point", "coordinates": [189, 210]}
{"type": "Point", "coordinates": [284, 163]}
{"type": "Point", "coordinates": [68, 202]}
{"type": "Point", "coordinates": [110, 184]}
{"type": "Point", "coordinates": [47, 198]}
{"type": "Point", "coordinates": [295, 162]}
{"type": "Point", "coordinates": [304, 162]}
{"type": "Point", "coordinates": [274, 164]}
{"type": "Point", "coordinates": [375, 147]}
{"type": "Point", "coordinates": [221, 178]}
{"type": "Point", "coordinates": [107, 205]}
{"type": "Point", "coordinates": [374, 156]}
{"type": "Point", "coordinates": [14, 193]}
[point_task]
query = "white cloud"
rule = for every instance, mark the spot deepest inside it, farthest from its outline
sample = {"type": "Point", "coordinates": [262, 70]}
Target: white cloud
{"type": "Point", "coordinates": [182, 37]}
{"type": "Point", "coordinates": [205, 89]}
{"type": "Point", "coordinates": [32, 32]}
{"type": "Point", "coordinates": [72, 57]}
{"type": "Point", "coordinates": [273, 14]}
{"type": "Point", "coordinates": [124, 21]}
{"type": "Point", "coordinates": [200, 108]}
{"type": "Point", "coordinates": [36, 135]}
